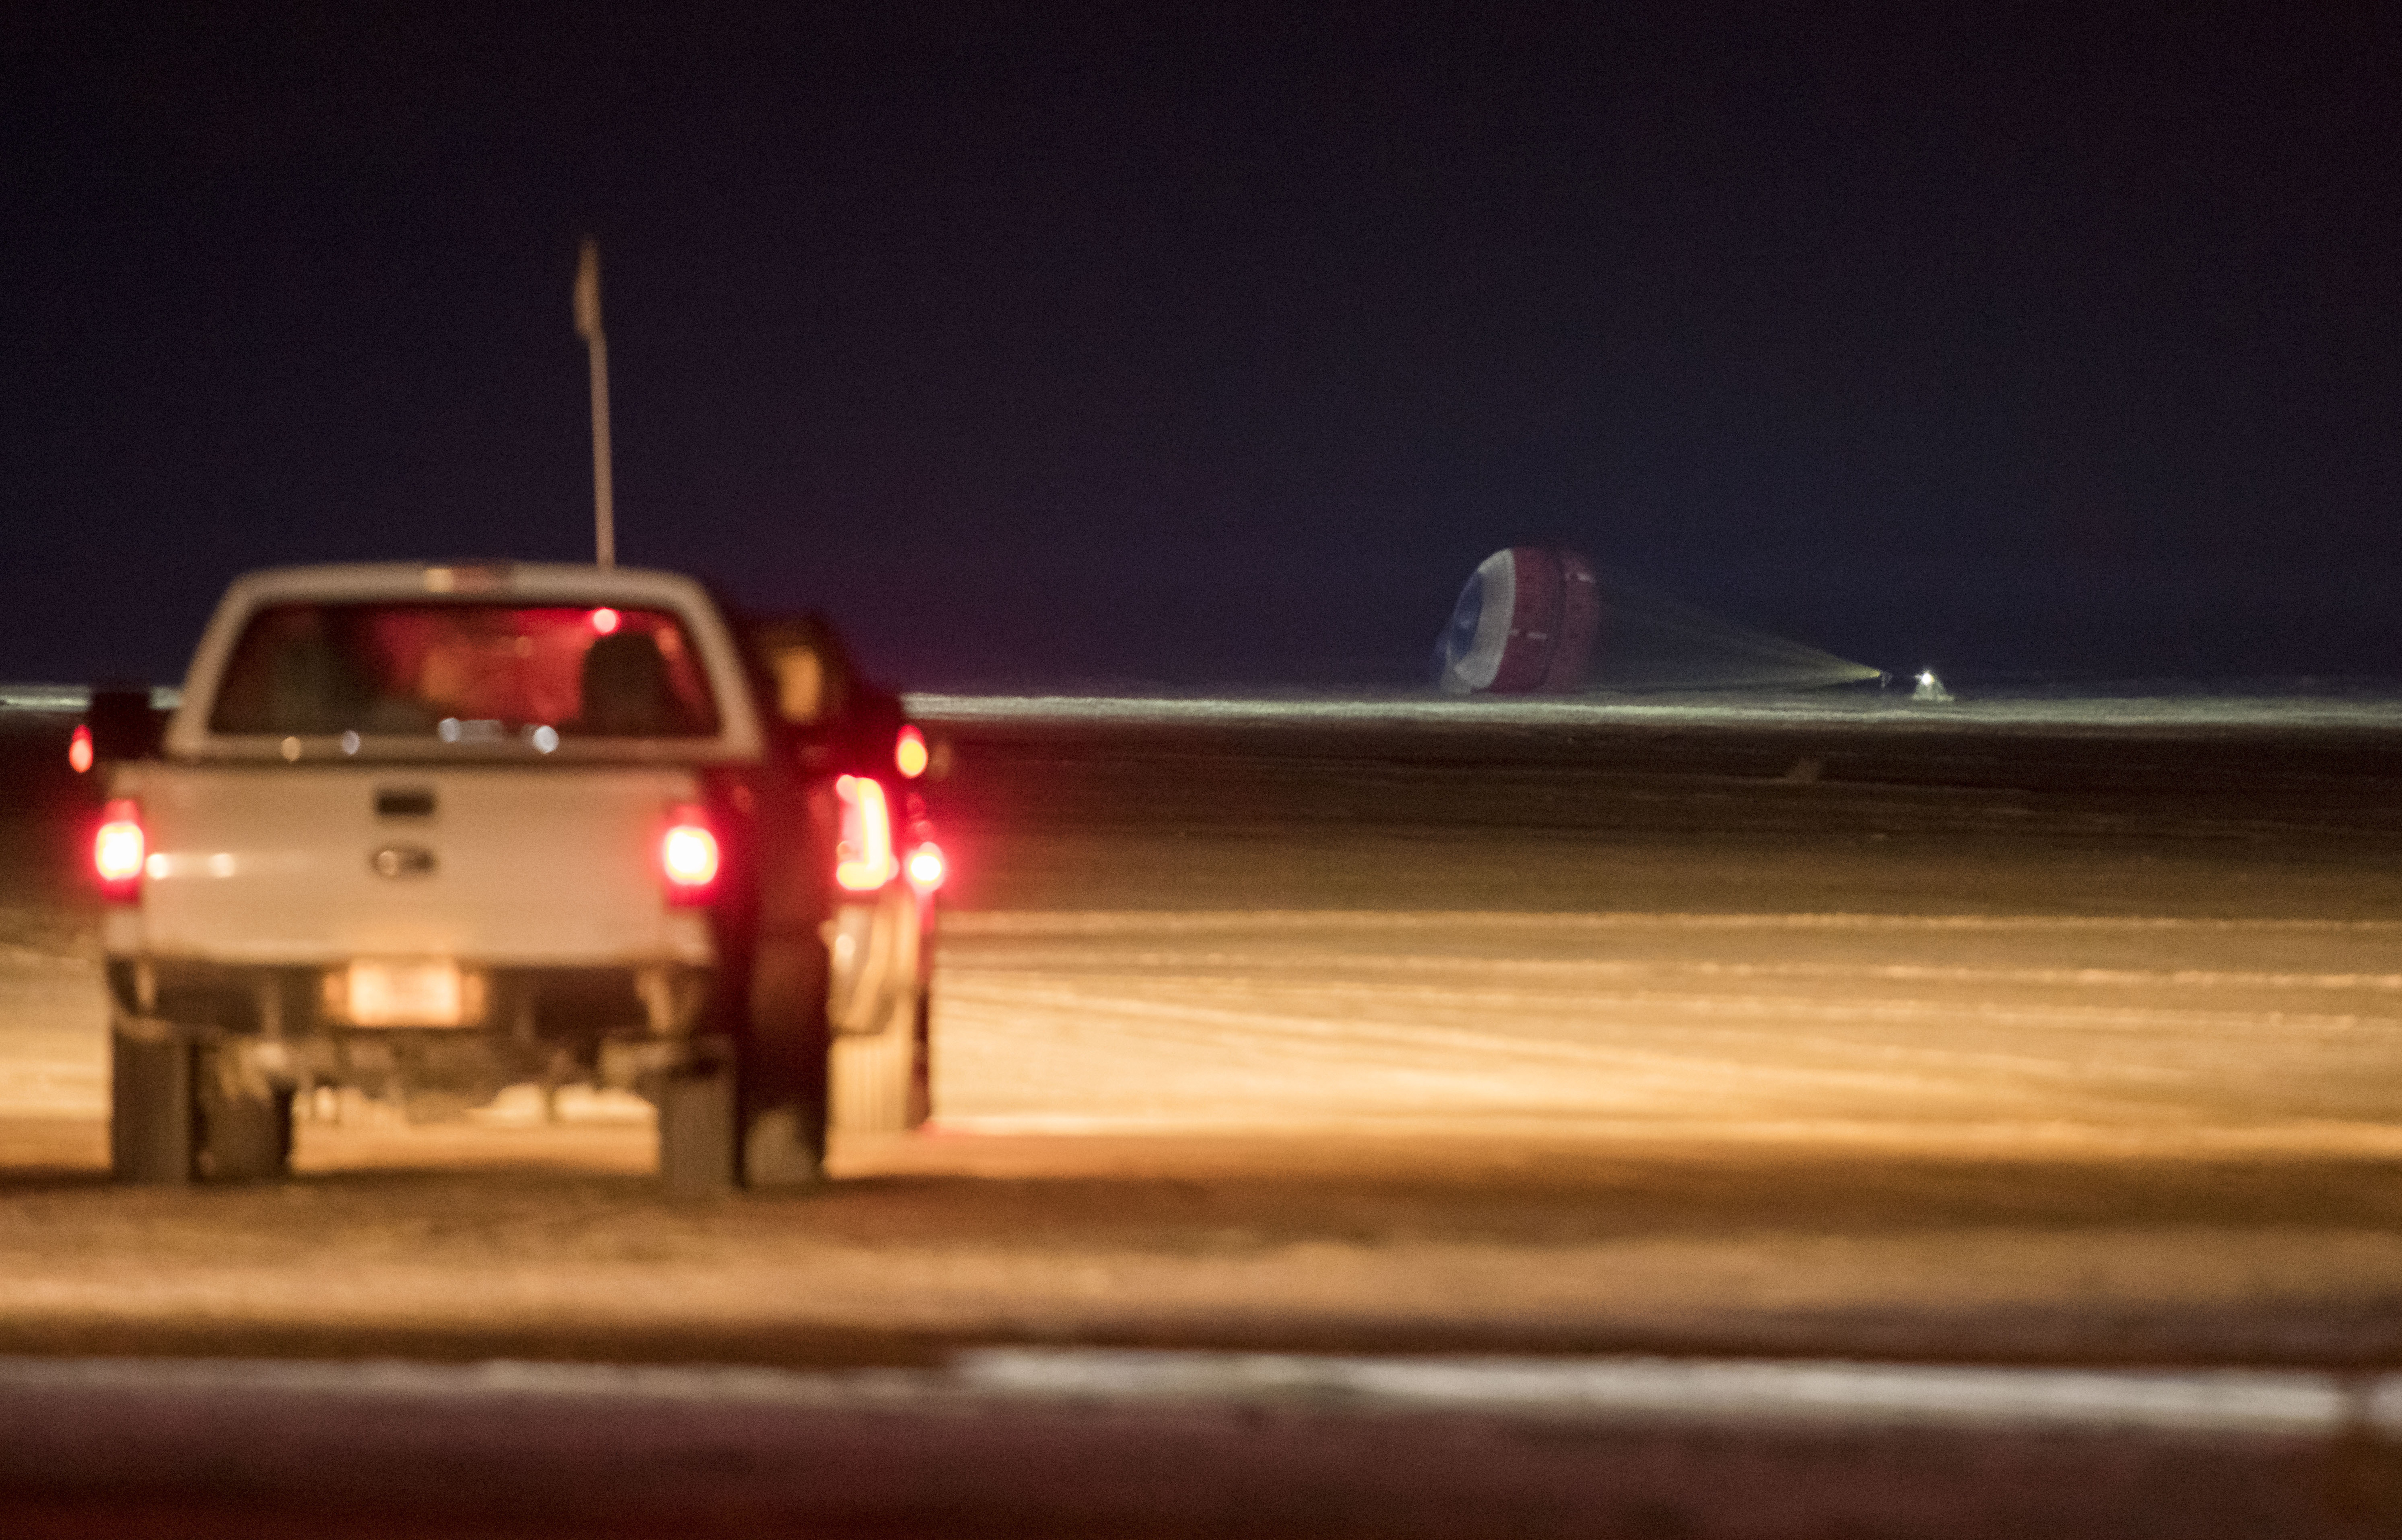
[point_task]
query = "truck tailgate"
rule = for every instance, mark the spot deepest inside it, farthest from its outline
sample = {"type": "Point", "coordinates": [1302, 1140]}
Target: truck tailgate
{"type": "Point", "coordinates": [318, 863]}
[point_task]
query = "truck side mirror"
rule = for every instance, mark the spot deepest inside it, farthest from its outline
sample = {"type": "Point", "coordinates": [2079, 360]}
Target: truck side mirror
{"type": "Point", "coordinates": [123, 724]}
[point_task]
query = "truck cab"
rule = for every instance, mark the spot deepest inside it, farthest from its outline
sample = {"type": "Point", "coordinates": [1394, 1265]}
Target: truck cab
{"type": "Point", "coordinates": [432, 830]}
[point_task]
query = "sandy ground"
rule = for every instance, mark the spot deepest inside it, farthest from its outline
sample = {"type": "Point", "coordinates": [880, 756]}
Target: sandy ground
{"type": "Point", "coordinates": [1964, 1049]}
{"type": "Point", "coordinates": [465, 1244]}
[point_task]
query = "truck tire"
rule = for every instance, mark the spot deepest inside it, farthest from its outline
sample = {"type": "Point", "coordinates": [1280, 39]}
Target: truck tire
{"type": "Point", "coordinates": [750, 1110]}
{"type": "Point", "coordinates": [711, 1142]}
{"type": "Point", "coordinates": [243, 1125]}
{"type": "Point", "coordinates": [874, 1074]}
{"type": "Point", "coordinates": [151, 1115]}
{"type": "Point", "coordinates": [921, 1065]}
{"type": "Point", "coordinates": [182, 1111]}
{"type": "Point", "coordinates": [781, 1084]}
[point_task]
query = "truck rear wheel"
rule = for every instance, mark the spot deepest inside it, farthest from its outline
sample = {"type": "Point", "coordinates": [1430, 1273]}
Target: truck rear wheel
{"type": "Point", "coordinates": [921, 1063]}
{"type": "Point", "coordinates": [784, 1064]}
{"type": "Point", "coordinates": [181, 1111]}
{"type": "Point", "coordinates": [875, 1075]}
{"type": "Point", "coordinates": [749, 1109]}
{"type": "Point", "coordinates": [715, 1138]}
{"type": "Point", "coordinates": [244, 1133]}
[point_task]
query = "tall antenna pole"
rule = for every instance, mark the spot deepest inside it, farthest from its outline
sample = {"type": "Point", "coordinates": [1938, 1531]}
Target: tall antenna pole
{"type": "Point", "coordinates": [587, 326]}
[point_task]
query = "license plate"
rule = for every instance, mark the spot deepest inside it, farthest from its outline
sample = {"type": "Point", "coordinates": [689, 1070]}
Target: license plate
{"type": "Point", "coordinates": [410, 993]}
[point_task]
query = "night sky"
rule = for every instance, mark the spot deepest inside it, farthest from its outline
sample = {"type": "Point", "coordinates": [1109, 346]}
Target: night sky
{"type": "Point", "coordinates": [1123, 349]}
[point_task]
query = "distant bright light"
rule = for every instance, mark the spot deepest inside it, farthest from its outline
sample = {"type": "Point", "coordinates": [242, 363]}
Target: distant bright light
{"type": "Point", "coordinates": [927, 868]}
{"type": "Point", "coordinates": [910, 754]}
{"type": "Point", "coordinates": [545, 739]}
{"type": "Point", "coordinates": [604, 621]}
{"type": "Point", "coordinates": [79, 749]}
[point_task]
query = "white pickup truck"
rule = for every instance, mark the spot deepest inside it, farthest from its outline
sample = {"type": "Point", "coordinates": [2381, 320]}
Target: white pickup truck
{"type": "Point", "coordinates": [433, 831]}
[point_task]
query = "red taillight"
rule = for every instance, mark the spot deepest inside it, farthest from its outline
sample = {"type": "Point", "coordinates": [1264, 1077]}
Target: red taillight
{"type": "Point", "coordinates": [909, 753]}
{"type": "Point", "coordinates": [119, 849]}
{"type": "Point", "coordinates": [79, 747]}
{"type": "Point", "coordinates": [862, 861]}
{"type": "Point", "coordinates": [926, 867]}
{"type": "Point", "coordinates": [688, 856]}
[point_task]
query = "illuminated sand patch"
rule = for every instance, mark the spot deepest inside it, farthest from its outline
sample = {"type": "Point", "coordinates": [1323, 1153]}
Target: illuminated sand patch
{"type": "Point", "coordinates": [2227, 1033]}
{"type": "Point", "coordinates": [53, 1035]}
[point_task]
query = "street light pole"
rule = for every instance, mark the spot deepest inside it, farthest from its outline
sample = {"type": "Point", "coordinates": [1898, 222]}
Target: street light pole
{"type": "Point", "coordinates": [587, 326]}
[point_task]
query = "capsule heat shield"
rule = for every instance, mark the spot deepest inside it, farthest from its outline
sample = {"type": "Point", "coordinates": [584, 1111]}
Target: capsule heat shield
{"type": "Point", "coordinates": [1525, 622]}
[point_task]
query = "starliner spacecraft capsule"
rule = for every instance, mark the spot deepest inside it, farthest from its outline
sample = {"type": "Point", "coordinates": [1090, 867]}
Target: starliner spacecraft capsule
{"type": "Point", "coordinates": [1524, 622]}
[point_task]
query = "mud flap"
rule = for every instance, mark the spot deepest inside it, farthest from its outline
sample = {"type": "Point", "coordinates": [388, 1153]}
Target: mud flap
{"type": "Point", "coordinates": [151, 1108]}
{"type": "Point", "coordinates": [784, 1064]}
{"type": "Point", "coordinates": [697, 1147]}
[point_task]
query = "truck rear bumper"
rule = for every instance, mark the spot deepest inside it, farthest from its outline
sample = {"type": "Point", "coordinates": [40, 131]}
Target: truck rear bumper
{"type": "Point", "coordinates": [543, 1003]}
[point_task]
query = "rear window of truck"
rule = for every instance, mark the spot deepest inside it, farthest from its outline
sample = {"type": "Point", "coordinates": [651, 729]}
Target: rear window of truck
{"type": "Point", "coordinates": [465, 672]}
